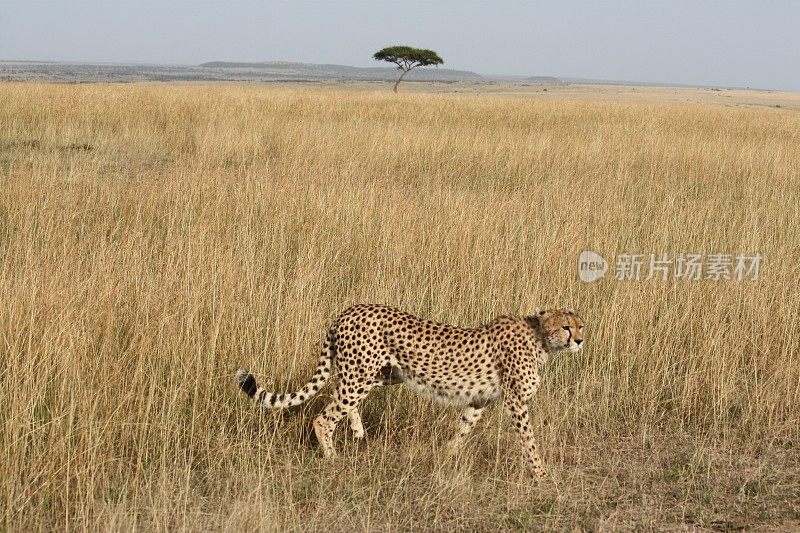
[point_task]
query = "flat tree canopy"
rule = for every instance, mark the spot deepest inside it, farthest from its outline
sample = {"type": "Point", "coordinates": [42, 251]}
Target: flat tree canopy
{"type": "Point", "coordinates": [407, 58]}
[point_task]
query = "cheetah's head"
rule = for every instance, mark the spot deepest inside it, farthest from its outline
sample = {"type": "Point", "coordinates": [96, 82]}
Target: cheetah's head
{"type": "Point", "coordinates": [561, 329]}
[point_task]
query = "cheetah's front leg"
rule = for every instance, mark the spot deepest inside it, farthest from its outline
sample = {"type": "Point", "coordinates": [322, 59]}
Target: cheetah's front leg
{"type": "Point", "coordinates": [519, 416]}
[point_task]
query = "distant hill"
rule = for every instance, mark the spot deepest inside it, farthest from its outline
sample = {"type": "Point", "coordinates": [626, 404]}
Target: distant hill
{"type": "Point", "coordinates": [311, 71]}
{"type": "Point", "coordinates": [543, 79]}
{"type": "Point", "coordinates": [274, 71]}
{"type": "Point", "coordinates": [270, 71]}
{"type": "Point", "coordinates": [512, 78]}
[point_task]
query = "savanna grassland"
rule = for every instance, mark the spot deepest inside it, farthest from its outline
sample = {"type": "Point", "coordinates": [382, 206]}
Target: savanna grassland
{"type": "Point", "coordinates": [153, 238]}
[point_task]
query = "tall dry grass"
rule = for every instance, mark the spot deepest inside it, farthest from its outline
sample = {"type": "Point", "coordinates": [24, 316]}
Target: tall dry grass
{"type": "Point", "coordinates": [154, 238]}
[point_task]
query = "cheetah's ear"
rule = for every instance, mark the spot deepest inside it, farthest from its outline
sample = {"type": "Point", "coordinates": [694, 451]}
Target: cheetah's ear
{"type": "Point", "coordinates": [535, 320]}
{"type": "Point", "coordinates": [570, 310]}
{"type": "Point", "coordinates": [539, 315]}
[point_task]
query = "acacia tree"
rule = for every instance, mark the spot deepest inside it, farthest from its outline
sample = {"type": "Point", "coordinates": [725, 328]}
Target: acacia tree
{"type": "Point", "coordinates": [407, 58]}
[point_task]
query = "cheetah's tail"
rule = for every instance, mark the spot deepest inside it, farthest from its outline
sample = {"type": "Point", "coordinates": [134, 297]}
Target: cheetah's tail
{"type": "Point", "coordinates": [247, 381]}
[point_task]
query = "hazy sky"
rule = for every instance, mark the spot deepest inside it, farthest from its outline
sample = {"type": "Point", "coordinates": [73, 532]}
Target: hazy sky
{"type": "Point", "coordinates": [730, 43]}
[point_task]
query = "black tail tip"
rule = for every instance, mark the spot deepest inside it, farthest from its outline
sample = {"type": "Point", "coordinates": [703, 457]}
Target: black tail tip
{"type": "Point", "coordinates": [247, 382]}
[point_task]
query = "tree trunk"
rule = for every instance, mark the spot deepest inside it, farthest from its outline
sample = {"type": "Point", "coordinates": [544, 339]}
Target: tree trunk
{"type": "Point", "coordinates": [400, 79]}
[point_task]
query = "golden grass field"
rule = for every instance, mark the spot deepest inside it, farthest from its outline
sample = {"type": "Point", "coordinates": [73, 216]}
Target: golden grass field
{"type": "Point", "coordinates": [153, 238]}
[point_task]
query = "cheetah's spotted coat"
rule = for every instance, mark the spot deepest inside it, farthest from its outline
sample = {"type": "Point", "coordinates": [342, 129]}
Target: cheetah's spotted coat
{"type": "Point", "coordinates": [379, 345]}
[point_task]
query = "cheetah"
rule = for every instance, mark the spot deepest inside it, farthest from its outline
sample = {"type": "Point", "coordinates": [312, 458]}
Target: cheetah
{"type": "Point", "coordinates": [377, 345]}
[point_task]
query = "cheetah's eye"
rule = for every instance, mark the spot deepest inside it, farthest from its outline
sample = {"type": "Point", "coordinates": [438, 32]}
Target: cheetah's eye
{"type": "Point", "coordinates": [565, 327]}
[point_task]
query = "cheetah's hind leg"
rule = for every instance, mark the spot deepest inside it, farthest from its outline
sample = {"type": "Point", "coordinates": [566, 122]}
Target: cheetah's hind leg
{"type": "Point", "coordinates": [355, 423]}
{"type": "Point", "coordinates": [469, 418]}
{"type": "Point", "coordinates": [388, 375]}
